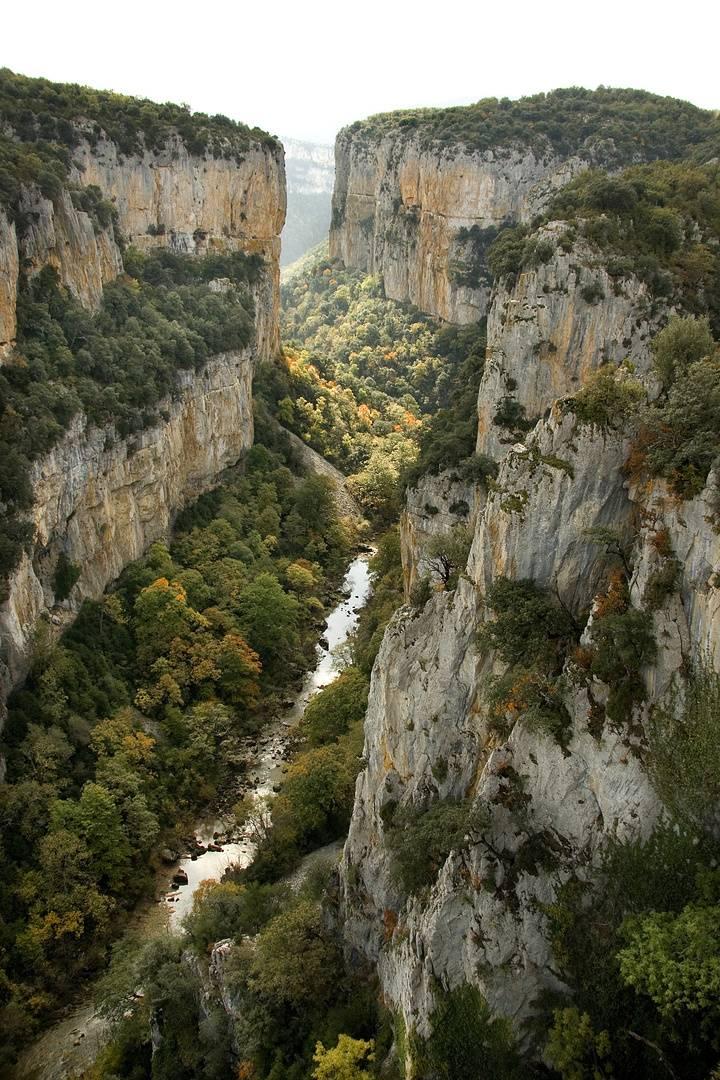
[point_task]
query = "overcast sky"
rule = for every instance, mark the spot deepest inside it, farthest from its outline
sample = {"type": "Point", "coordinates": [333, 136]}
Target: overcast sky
{"type": "Point", "coordinates": [306, 69]}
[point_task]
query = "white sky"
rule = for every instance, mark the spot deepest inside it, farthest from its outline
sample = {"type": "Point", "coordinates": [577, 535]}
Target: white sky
{"type": "Point", "coordinates": [306, 69]}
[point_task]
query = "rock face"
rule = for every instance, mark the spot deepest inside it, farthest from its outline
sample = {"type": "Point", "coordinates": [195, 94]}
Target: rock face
{"type": "Point", "coordinates": [101, 500]}
{"type": "Point", "coordinates": [398, 209]}
{"type": "Point", "coordinates": [544, 337]}
{"type": "Point", "coordinates": [9, 267]}
{"type": "Point", "coordinates": [537, 810]}
{"type": "Point", "coordinates": [437, 505]}
{"type": "Point", "coordinates": [166, 198]}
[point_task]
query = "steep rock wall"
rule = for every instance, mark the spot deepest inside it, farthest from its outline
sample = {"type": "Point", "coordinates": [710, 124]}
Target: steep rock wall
{"type": "Point", "coordinates": [166, 198]}
{"type": "Point", "coordinates": [544, 338]}
{"type": "Point", "coordinates": [428, 737]}
{"type": "Point", "coordinates": [537, 811]}
{"type": "Point", "coordinates": [9, 266]}
{"type": "Point", "coordinates": [101, 500]}
{"type": "Point", "coordinates": [398, 207]}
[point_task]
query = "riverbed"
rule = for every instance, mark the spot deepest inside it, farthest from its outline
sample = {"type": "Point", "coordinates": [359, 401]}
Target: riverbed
{"type": "Point", "coordinates": [71, 1045]}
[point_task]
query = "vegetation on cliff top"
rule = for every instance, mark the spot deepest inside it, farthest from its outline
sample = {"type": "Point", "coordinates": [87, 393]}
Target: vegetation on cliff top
{"type": "Point", "coordinates": [609, 126]}
{"type": "Point", "coordinates": [658, 222]}
{"type": "Point", "coordinates": [43, 122]}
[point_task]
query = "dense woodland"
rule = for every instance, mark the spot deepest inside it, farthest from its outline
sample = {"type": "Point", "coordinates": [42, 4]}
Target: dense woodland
{"type": "Point", "coordinates": [376, 387]}
{"type": "Point", "coordinates": [135, 718]}
{"type": "Point", "coordinates": [43, 122]}
{"type": "Point", "coordinates": [620, 126]}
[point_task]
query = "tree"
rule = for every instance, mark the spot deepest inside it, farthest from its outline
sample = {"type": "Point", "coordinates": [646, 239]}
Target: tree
{"type": "Point", "coordinates": [675, 959]}
{"type": "Point", "coordinates": [162, 614]}
{"type": "Point", "coordinates": [529, 628]}
{"type": "Point", "coordinates": [682, 434]}
{"type": "Point", "coordinates": [95, 817]}
{"type": "Point", "coordinates": [269, 617]}
{"type": "Point", "coordinates": [447, 555]}
{"type": "Point", "coordinates": [346, 1061]}
{"type": "Point", "coordinates": [680, 344]}
{"type": "Point", "coordinates": [336, 708]}
{"type": "Point", "coordinates": [296, 963]}
{"type": "Point", "coordinates": [575, 1049]}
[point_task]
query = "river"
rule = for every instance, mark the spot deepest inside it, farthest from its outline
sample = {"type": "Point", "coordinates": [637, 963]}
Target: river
{"type": "Point", "coordinates": [71, 1045]}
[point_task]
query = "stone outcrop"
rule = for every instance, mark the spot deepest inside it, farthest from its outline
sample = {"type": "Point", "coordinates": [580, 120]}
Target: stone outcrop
{"type": "Point", "coordinates": [399, 206]}
{"type": "Point", "coordinates": [101, 500]}
{"type": "Point", "coordinates": [537, 810]}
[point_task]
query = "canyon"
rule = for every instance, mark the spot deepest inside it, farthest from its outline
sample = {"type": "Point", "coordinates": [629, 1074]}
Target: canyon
{"type": "Point", "coordinates": [557, 505]}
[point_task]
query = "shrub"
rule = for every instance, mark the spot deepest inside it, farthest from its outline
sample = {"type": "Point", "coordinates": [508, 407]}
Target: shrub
{"type": "Point", "coordinates": [685, 750]}
{"type": "Point", "coordinates": [336, 708]}
{"type": "Point", "coordinates": [510, 414]}
{"type": "Point", "coordinates": [529, 628]}
{"type": "Point", "coordinates": [623, 643]}
{"type": "Point", "coordinates": [421, 840]}
{"type": "Point", "coordinates": [675, 960]}
{"type": "Point", "coordinates": [574, 1048]}
{"type": "Point", "coordinates": [609, 397]}
{"type": "Point", "coordinates": [478, 468]}
{"type": "Point", "coordinates": [681, 435]}
{"type": "Point", "coordinates": [680, 344]}
{"type": "Point", "coordinates": [592, 292]}
{"type": "Point", "coordinates": [466, 1041]}
{"type": "Point", "coordinates": [66, 575]}
{"type": "Point", "coordinates": [661, 583]}
{"type": "Point", "coordinates": [421, 592]}
{"type": "Point", "coordinates": [296, 963]}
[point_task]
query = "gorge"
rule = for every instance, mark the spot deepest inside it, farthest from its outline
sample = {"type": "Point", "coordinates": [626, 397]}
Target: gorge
{"type": "Point", "coordinates": [510, 348]}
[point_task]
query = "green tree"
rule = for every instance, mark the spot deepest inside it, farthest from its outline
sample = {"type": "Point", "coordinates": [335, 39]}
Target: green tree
{"type": "Point", "coordinates": [682, 342]}
{"type": "Point", "coordinates": [345, 1061]}
{"type": "Point", "coordinates": [296, 963]}
{"type": "Point", "coordinates": [269, 617]}
{"type": "Point", "coordinates": [575, 1049]}
{"type": "Point", "coordinates": [333, 711]}
{"type": "Point", "coordinates": [675, 959]}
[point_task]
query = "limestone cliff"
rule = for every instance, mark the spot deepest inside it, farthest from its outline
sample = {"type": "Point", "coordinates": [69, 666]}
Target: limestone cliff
{"type": "Point", "coordinates": [98, 499]}
{"type": "Point", "coordinates": [399, 207]}
{"type": "Point", "coordinates": [544, 337]}
{"type": "Point", "coordinates": [538, 809]}
{"type": "Point", "coordinates": [167, 198]}
{"type": "Point", "coordinates": [101, 500]}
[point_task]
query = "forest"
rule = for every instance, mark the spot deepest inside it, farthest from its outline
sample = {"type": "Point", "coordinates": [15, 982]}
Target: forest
{"type": "Point", "coordinates": [376, 387]}
{"type": "Point", "coordinates": [135, 718]}
{"type": "Point", "coordinates": [565, 121]}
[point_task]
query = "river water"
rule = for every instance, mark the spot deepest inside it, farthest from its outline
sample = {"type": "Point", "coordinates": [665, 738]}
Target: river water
{"type": "Point", "coordinates": [72, 1044]}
